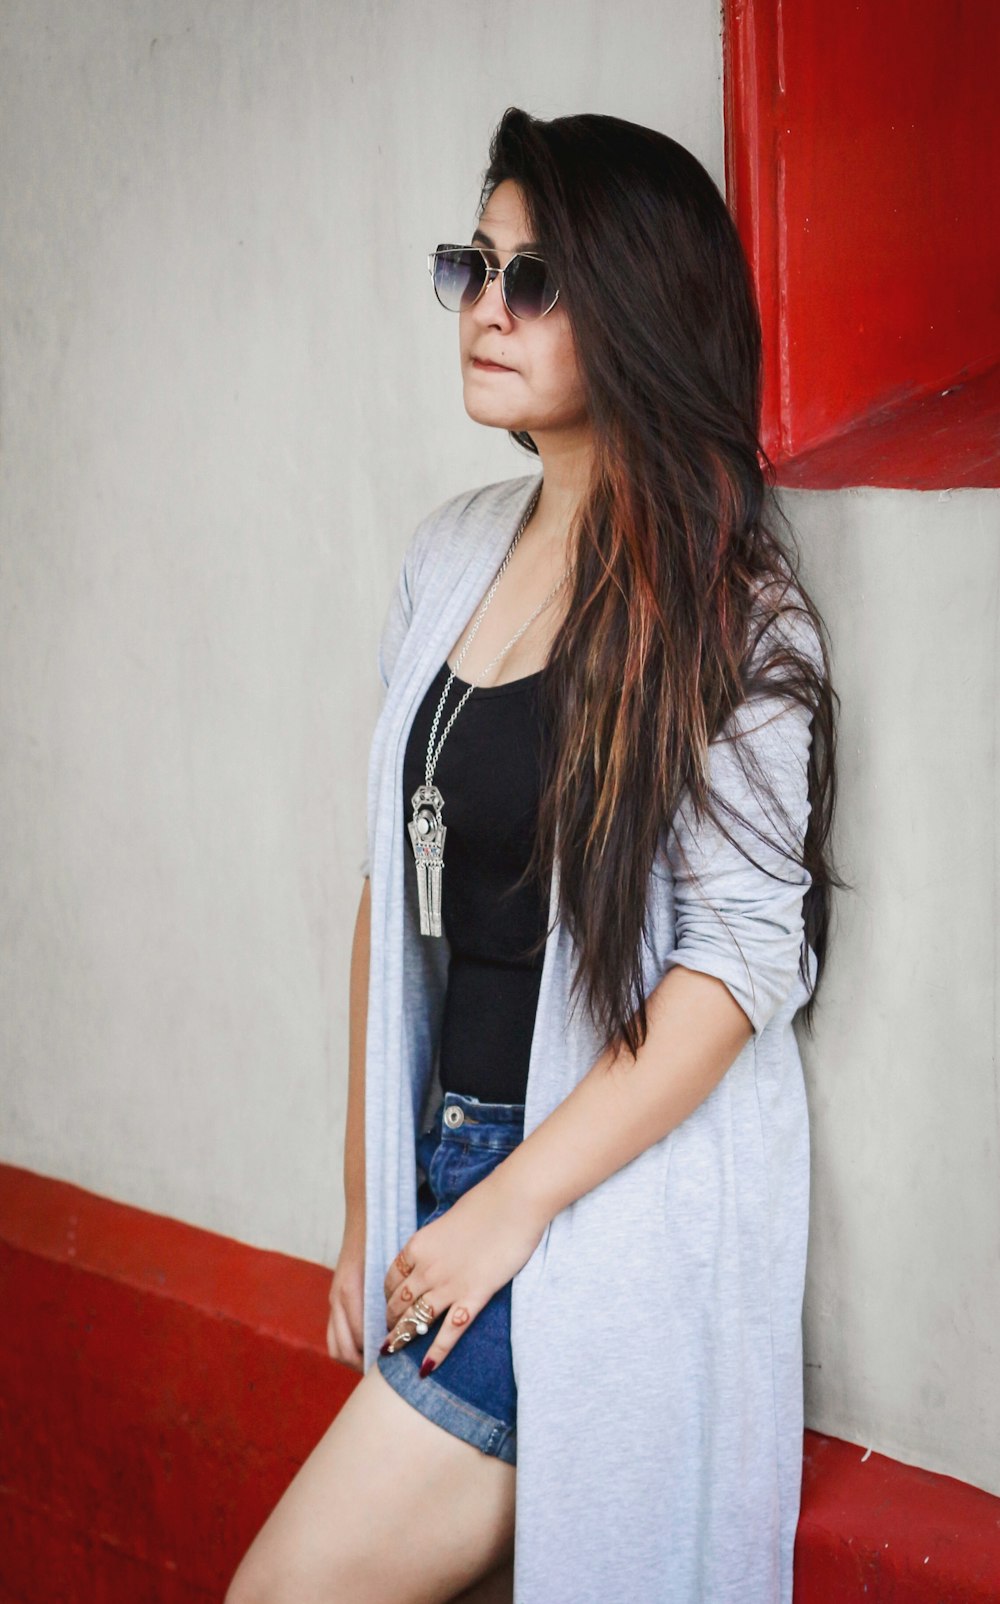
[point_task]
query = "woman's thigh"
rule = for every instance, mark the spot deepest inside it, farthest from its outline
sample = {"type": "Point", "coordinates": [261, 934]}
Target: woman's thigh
{"type": "Point", "coordinates": [389, 1506]}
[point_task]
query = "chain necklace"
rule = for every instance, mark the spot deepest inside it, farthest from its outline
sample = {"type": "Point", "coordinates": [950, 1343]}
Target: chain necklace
{"type": "Point", "coordinates": [426, 830]}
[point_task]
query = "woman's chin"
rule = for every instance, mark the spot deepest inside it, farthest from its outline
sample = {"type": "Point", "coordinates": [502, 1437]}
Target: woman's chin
{"type": "Point", "coordinates": [492, 417]}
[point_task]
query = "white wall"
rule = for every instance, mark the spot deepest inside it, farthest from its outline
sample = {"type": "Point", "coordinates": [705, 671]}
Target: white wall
{"type": "Point", "coordinates": [903, 1294]}
{"type": "Point", "coordinates": [227, 397]}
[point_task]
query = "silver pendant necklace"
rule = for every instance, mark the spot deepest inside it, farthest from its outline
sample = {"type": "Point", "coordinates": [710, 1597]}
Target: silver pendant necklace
{"type": "Point", "coordinates": [426, 830]}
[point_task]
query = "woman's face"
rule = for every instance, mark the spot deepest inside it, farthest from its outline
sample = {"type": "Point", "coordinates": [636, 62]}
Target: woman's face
{"type": "Point", "coordinates": [541, 390]}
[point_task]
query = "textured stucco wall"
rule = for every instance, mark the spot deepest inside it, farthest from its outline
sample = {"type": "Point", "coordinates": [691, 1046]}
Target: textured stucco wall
{"type": "Point", "coordinates": [903, 1297]}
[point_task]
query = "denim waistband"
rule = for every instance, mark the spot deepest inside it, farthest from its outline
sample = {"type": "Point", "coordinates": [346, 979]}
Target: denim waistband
{"type": "Point", "coordinates": [507, 1118]}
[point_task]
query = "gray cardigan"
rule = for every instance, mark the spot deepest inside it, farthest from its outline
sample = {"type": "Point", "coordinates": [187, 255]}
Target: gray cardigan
{"type": "Point", "coordinates": [656, 1329]}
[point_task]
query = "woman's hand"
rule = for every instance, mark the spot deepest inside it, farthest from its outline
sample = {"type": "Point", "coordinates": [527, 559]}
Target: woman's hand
{"type": "Point", "coordinates": [345, 1327]}
{"type": "Point", "coordinates": [460, 1259]}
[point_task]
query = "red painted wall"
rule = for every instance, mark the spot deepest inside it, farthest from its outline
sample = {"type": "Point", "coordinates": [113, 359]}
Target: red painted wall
{"type": "Point", "coordinates": [160, 1386]}
{"type": "Point", "coordinates": [862, 168]}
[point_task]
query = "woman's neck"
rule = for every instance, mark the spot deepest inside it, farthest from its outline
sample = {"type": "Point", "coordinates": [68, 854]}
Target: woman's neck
{"type": "Point", "coordinates": [565, 477]}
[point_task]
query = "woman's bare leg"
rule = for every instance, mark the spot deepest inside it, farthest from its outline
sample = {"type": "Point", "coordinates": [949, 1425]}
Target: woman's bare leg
{"type": "Point", "coordinates": [496, 1588]}
{"type": "Point", "coordinates": [389, 1508]}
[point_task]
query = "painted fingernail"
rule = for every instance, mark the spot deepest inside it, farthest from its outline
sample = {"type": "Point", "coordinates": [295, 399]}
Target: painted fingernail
{"type": "Point", "coordinates": [427, 1366]}
{"type": "Point", "coordinates": [385, 1346]}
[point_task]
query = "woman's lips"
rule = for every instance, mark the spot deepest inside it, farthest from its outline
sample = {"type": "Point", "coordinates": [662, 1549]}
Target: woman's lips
{"type": "Point", "coordinates": [490, 367]}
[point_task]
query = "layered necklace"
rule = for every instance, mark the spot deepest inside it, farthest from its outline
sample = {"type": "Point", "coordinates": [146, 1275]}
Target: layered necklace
{"type": "Point", "coordinates": [426, 830]}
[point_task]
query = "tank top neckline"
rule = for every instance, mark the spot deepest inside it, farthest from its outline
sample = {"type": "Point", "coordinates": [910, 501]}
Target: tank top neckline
{"type": "Point", "coordinates": [491, 690]}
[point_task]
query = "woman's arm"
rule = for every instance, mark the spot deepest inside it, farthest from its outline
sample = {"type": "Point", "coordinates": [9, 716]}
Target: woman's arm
{"type": "Point", "coordinates": [696, 1030]}
{"type": "Point", "coordinates": [345, 1325]}
{"type": "Point", "coordinates": [735, 960]}
{"type": "Point", "coordinates": [738, 928]}
{"type": "Point", "coordinates": [354, 1136]}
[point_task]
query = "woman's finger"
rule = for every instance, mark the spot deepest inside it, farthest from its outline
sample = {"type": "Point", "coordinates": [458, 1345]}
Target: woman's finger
{"type": "Point", "coordinates": [459, 1317]}
{"type": "Point", "coordinates": [332, 1336]}
{"type": "Point", "coordinates": [416, 1308]}
{"type": "Point", "coordinates": [405, 1296]}
{"type": "Point", "coordinates": [348, 1295]}
{"type": "Point", "coordinates": [347, 1348]}
{"type": "Point", "coordinates": [401, 1266]}
{"type": "Point", "coordinates": [354, 1314]}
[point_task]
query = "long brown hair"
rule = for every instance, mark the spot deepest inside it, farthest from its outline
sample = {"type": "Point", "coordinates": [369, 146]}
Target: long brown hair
{"type": "Point", "coordinates": [670, 549]}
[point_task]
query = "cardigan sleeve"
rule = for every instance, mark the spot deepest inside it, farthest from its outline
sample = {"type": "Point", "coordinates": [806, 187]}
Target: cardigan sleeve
{"type": "Point", "coordinates": [396, 620]}
{"type": "Point", "coordinates": [399, 612]}
{"type": "Point", "coordinates": [395, 623]}
{"type": "Point", "coordinates": [403, 601]}
{"type": "Point", "coordinates": [738, 918]}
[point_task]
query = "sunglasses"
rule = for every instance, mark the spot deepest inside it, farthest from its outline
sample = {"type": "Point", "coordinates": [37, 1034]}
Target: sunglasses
{"type": "Point", "coordinates": [460, 274]}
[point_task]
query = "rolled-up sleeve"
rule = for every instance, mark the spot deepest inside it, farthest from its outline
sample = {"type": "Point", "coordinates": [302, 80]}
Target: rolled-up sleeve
{"type": "Point", "coordinates": [740, 918]}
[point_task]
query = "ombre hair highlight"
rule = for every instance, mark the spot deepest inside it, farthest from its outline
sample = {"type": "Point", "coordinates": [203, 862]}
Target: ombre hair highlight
{"type": "Point", "coordinates": [676, 573]}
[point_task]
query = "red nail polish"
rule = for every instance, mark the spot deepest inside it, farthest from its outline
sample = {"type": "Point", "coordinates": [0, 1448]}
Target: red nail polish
{"type": "Point", "coordinates": [385, 1346]}
{"type": "Point", "coordinates": [427, 1366]}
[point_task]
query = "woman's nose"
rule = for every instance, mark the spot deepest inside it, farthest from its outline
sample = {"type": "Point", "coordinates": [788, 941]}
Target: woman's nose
{"type": "Point", "coordinates": [491, 303]}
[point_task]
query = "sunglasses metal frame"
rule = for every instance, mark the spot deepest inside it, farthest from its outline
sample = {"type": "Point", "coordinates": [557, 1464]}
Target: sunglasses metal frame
{"type": "Point", "coordinates": [491, 274]}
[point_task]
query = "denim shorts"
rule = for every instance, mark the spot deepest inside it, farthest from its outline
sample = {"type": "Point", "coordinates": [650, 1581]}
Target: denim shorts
{"type": "Point", "coordinates": [471, 1391]}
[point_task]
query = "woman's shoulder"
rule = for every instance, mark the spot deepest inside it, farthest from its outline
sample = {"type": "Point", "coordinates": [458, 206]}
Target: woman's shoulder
{"type": "Point", "coordinates": [783, 620]}
{"type": "Point", "coordinates": [481, 503]}
{"type": "Point", "coordinates": [459, 519]}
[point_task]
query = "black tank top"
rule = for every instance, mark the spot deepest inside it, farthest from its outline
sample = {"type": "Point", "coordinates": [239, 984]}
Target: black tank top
{"type": "Point", "coordinates": [489, 774]}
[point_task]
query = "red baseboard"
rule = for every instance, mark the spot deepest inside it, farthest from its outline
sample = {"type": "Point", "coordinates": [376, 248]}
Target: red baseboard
{"type": "Point", "coordinates": [159, 1387]}
{"type": "Point", "coordinates": [871, 1528]}
{"type": "Point", "coordinates": [161, 1384]}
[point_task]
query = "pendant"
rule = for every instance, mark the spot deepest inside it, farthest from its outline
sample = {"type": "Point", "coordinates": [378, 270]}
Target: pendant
{"type": "Point", "coordinates": [427, 834]}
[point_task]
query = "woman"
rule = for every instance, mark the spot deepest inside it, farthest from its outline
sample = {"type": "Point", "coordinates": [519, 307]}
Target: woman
{"type": "Point", "coordinates": [600, 792]}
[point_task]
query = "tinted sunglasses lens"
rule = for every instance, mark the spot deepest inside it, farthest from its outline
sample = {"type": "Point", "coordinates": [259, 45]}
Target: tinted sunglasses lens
{"type": "Point", "coordinates": [458, 277]}
{"type": "Point", "coordinates": [530, 287]}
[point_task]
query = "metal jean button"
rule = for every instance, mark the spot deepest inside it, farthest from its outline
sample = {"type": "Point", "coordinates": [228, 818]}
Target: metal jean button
{"type": "Point", "coordinates": [453, 1115]}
